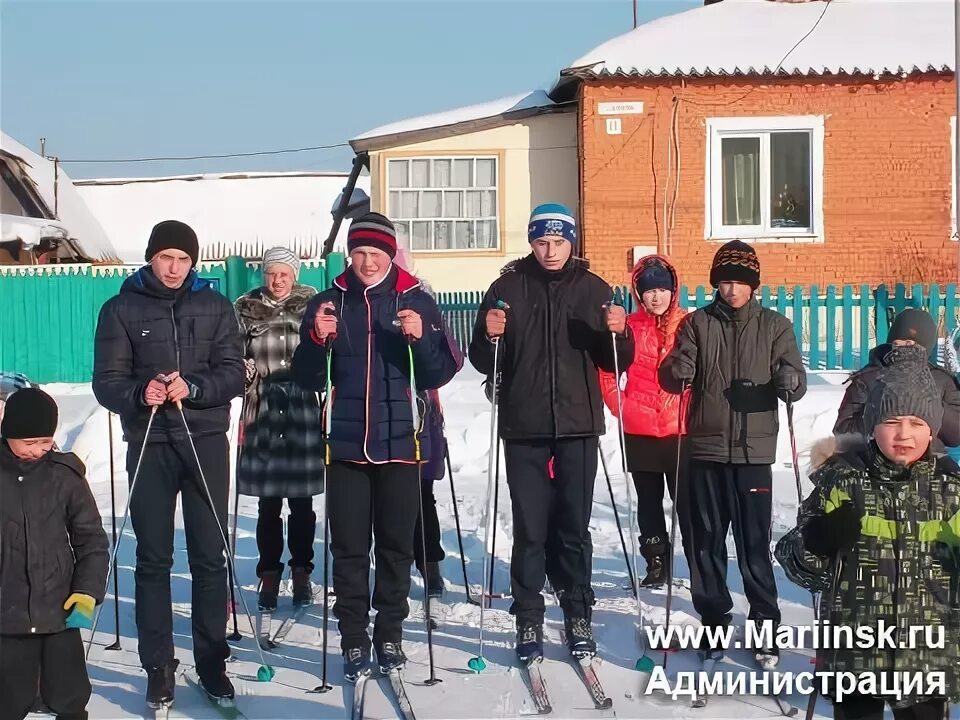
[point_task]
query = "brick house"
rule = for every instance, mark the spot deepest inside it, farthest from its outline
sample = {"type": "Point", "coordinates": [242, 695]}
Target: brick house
{"type": "Point", "coordinates": [820, 132]}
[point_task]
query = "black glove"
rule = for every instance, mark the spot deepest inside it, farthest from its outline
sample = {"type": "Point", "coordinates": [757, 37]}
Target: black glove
{"type": "Point", "coordinates": [786, 379]}
{"type": "Point", "coordinates": [683, 370]}
{"type": "Point", "coordinates": [837, 531]}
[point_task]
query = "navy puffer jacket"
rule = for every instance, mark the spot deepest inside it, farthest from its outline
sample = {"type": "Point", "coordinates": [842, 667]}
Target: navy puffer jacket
{"type": "Point", "coordinates": [372, 418]}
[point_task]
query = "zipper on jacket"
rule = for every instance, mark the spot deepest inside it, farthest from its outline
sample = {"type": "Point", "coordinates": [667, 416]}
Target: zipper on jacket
{"type": "Point", "coordinates": [553, 361]}
{"type": "Point", "coordinates": [176, 338]}
{"type": "Point", "coordinates": [897, 554]}
{"type": "Point", "coordinates": [366, 400]}
{"type": "Point", "coordinates": [26, 545]}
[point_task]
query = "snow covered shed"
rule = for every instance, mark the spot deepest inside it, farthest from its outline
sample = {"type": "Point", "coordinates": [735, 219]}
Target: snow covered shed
{"type": "Point", "coordinates": [460, 184]}
{"type": "Point", "coordinates": [820, 132]}
{"type": "Point", "coordinates": [232, 214]}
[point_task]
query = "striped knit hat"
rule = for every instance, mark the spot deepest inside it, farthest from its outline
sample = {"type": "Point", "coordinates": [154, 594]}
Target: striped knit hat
{"type": "Point", "coordinates": [552, 219]}
{"type": "Point", "coordinates": [735, 262]}
{"type": "Point", "coordinates": [372, 230]}
{"type": "Point", "coordinates": [281, 255]}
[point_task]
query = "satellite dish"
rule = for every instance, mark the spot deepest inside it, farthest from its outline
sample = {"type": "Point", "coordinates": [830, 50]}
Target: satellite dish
{"type": "Point", "coordinates": [359, 204]}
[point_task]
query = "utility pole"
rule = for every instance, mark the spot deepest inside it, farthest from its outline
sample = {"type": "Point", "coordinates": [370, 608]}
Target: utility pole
{"type": "Point", "coordinates": [634, 14]}
{"type": "Point", "coordinates": [43, 147]}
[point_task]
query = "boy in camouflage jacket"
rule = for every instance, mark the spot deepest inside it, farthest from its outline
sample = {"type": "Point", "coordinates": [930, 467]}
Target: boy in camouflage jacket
{"type": "Point", "coordinates": [885, 516]}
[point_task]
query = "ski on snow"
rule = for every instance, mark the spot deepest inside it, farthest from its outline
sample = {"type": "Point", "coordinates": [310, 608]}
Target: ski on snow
{"type": "Point", "coordinates": [709, 667]}
{"type": "Point", "coordinates": [536, 685]}
{"type": "Point", "coordinates": [227, 708]}
{"type": "Point", "coordinates": [359, 693]}
{"type": "Point", "coordinates": [587, 670]}
{"type": "Point", "coordinates": [161, 712]}
{"type": "Point", "coordinates": [399, 691]}
{"type": "Point", "coordinates": [266, 637]}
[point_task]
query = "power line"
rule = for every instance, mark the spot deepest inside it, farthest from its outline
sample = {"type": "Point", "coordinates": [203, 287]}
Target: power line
{"type": "Point", "coordinates": [213, 157]}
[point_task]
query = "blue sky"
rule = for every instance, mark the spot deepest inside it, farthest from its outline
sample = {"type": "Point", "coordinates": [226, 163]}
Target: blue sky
{"type": "Point", "coordinates": [128, 79]}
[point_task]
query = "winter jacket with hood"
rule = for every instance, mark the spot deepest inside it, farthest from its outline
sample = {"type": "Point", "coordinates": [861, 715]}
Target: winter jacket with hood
{"type": "Point", "coordinates": [372, 418]}
{"type": "Point", "coordinates": [282, 444]}
{"type": "Point", "coordinates": [648, 409]}
{"type": "Point", "coordinates": [52, 542]}
{"type": "Point", "coordinates": [555, 340]}
{"type": "Point", "coordinates": [148, 329]}
{"type": "Point", "coordinates": [731, 356]}
{"type": "Point", "coordinates": [850, 415]}
{"type": "Point", "coordinates": [904, 568]}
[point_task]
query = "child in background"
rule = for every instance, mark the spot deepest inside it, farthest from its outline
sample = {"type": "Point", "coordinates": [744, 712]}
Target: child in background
{"type": "Point", "coordinates": [54, 557]}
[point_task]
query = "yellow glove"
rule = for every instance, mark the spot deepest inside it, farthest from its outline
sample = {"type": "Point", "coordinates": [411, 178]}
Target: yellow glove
{"type": "Point", "coordinates": [81, 615]}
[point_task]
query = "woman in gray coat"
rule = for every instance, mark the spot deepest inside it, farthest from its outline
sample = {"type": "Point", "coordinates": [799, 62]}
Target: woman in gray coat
{"type": "Point", "coordinates": [281, 453]}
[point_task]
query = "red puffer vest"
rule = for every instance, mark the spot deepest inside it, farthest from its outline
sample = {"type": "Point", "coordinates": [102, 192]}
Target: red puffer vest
{"type": "Point", "coordinates": [647, 408]}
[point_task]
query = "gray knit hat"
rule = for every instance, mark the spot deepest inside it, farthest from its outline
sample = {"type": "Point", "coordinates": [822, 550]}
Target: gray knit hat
{"type": "Point", "coordinates": [906, 387]}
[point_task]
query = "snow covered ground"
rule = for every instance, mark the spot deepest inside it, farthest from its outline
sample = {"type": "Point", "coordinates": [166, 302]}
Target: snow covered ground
{"type": "Point", "coordinates": [119, 684]}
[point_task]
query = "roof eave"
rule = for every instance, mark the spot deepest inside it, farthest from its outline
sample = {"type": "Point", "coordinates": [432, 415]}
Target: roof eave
{"type": "Point", "coordinates": [573, 76]}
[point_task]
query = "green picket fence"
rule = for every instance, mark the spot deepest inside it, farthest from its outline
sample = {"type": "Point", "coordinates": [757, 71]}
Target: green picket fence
{"type": "Point", "coordinates": [49, 313]}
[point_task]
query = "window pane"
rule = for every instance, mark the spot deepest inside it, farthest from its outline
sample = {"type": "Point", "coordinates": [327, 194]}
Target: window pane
{"type": "Point", "coordinates": [443, 235]}
{"type": "Point", "coordinates": [462, 173]}
{"type": "Point", "coordinates": [420, 173]}
{"type": "Point", "coordinates": [741, 180]}
{"type": "Point", "coordinates": [790, 180]}
{"type": "Point", "coordinates": [398, 173]}
{"type": "Point", "coordinates": [403, 234]}
{"type": "Point", "coordinates": [487, 233]}
{"type": "Point", "coordinates": [441, 173]}
{"type": "Point", "coordinates": [473, 203]}
{"type": "Point", "coordinates": [430, 203]}
{"type": "Point", "coordinates": [452, 203]}
{"type": "Point", "coordinates": [464, 235]}
{"type": "Point", "coordinates": [409, 204]}
{"type": "Point", "coordinates": [486, 172]}
{"type": "Point", "coordinates": [394, 204]}
{"type": "Point", "coordinates": [421, 235]}
{"type": "Point", "coordinates": [488, 203]}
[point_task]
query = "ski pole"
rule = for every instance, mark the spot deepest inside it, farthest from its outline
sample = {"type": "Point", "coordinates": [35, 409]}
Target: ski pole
{"type": "Point", "coordinates": [123, 525]}
{"type": "Point", "coordinates": [324, 686]}
{"type": "Point", "coordinates": [675, 499]}
{"type": "Point", "coordinates": [493, 542]}
{"type": "Point", "coordinates": [113, 524]}
{"type": "Point", "coordinates": [417, 427]}
{"type": "Point", "coordinates": [456, 519]}
{"type": "Point", "coordinates": [235, 635]}
{"type": "Point", "coordinates": [265, 673]}
{"type": "Point", "coordinates": [477, 664]}
{"type": "Point", "coordinates": [616, 517]}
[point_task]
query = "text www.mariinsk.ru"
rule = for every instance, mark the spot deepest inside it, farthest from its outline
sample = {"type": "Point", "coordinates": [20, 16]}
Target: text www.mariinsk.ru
{"type": "Point", "coordinates": [788, 637]}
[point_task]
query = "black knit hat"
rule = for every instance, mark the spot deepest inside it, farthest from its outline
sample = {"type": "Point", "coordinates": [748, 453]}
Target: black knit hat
{"type": "Point", "coordinates": [29, 413]}
{"type": "Point", "coordinates": [173, 235]}
{"type": "Point", "coordinates": [372, 230]}
{"type": "Point", "coordinates": [735, 262]}
{"type": "Point", "coordinates": [906, 387]}
{"type": "Point", "coordinates": [916, 325]}
{"type": "Point", "coordinates": [654, 276]}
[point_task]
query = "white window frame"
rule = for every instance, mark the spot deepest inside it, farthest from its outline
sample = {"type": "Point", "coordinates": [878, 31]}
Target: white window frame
{"type": "Point", "coordinates": [497, 188]}
{"type": "Point", "coordinates": [719, 128]}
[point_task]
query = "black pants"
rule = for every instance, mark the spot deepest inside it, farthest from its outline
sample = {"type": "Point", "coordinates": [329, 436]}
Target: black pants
{"type": "Point", "coordinates": [53, 663]}
{"type": "Point", "coordinates": [170, 469]}
{"type": "Point", "coordinates": [722, 495]}
{"type": "Point", "coordinates": [428, 513]}
{"type": "Point", "coordinates": [384, 499]}
{"type": "Point", "coordinates": [864, 707]}
{"type": "Point", "coordinates": [301, 527]}
{"type": "Point", "coordinates": [551, 520]}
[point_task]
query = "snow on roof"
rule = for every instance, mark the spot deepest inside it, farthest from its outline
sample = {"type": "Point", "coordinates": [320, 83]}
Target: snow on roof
{"type": "Point", "coordinates": [71, 209]}
{"type": "Point", "coordinates": [751, 37]}
{"type": "Point", "coordinates": [533, 100]}
{"type": "Point", "coordinates": [237, 212]}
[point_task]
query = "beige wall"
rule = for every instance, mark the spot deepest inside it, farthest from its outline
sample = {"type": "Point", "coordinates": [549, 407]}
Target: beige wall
{"type": "Point", "coordinates": [538, 163]}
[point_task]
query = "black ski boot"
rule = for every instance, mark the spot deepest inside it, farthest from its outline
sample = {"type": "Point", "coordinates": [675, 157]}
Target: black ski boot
{"type": "Point", "coordinates": [218, 688]}
{"type": "Point", "coordinates": [302, 587]}
{"type": "Point", "coordinates": [269, 590]}
{"type": "Point", "coordinates": [356, 662]}
{"type": "Point", "coordinates": [657, 554]}
{"type": "Point", "coordinates": [161, 684]}
{"type": "Point", "coordinates": [434, 580]}
{"type": "Point", "coordinates": [530, 642]}
{"type": "Point", "coordinates": [579, 634]}
{"type": "Point", "coordinates": [390, 656]}
{"type": "Point", "coordinates": [767, 658]}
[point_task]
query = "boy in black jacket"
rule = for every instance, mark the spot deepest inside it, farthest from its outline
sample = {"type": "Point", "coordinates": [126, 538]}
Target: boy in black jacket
{"type": "Point", "coordinates": [54, 563]}
{"type": "Point", "coordinates": [738, 358]}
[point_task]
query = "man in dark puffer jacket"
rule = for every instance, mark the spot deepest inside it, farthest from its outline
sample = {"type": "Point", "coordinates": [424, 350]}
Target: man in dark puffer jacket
{"type": "Point", "coordinates": [738, 358]}
{"type": "Point", "coordinates": [54, 563]}
{"type": "Point", "coordinates": [169, 337]}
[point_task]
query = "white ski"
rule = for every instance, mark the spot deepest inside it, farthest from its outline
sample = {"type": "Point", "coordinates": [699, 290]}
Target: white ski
{"type": "Point", "coordinates": [536, 685]}
{"type": "Point", "coordinates": [359, 693]}
{"type": "Point", "coordinates": [587, 670]}
{"type": "Point", "coordinates": [226, 707]}
{"type": "Point", "coordinates": [400, 694]}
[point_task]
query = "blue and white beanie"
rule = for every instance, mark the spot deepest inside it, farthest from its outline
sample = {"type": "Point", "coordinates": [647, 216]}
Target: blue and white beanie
{"type": "Point", "coordinates": [552, 219]}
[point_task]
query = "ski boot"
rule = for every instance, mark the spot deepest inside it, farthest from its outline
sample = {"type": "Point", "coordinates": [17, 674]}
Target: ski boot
{"type": "Point", "coordinates": [657, 554]}
{"type": "Point", "coordinates": [218, 688]}
{"type": "Point", "coordinates": [356, 662]}
{"type": "Point", "coordinates": [302, 587]}
{"type": "Point", "coordinates": [579, 634]}
{"type": "Point", "coordinates": [161, 684]}
{"type": "Point", "coordinates": [434, 581]}
{"type": "Point", "coordinates": [390, 656]}
{"type": "Point", "coordinates": [529, 642]}
{"type": "Point", "coordinates": [269, 590]}
{"type": "Point", "coordinates": [767, 658]}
